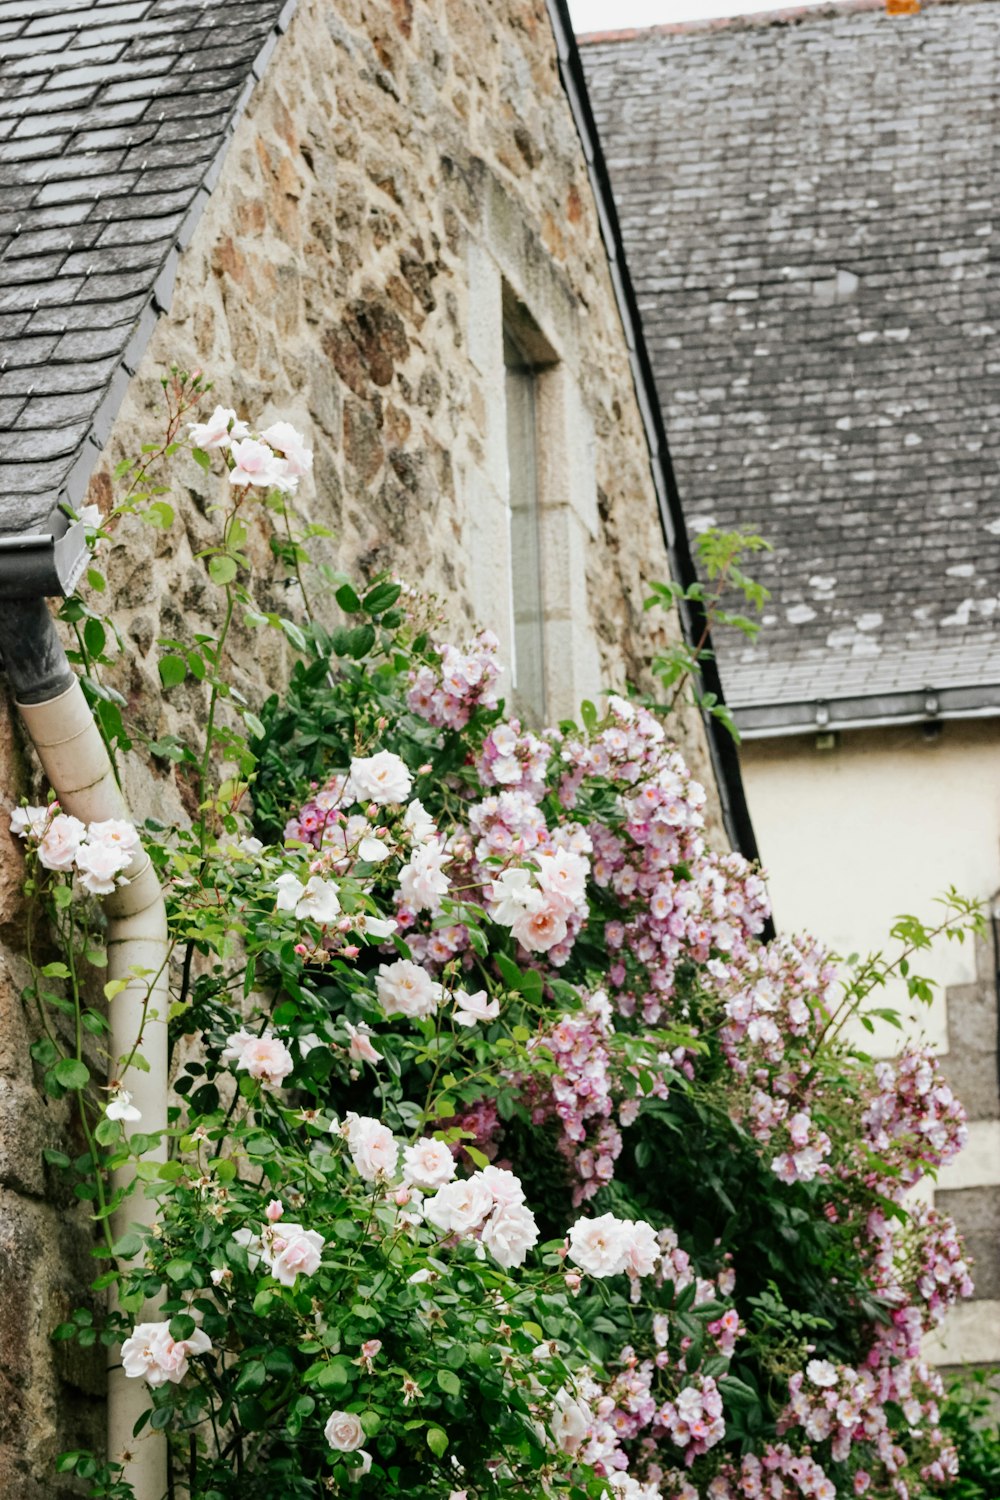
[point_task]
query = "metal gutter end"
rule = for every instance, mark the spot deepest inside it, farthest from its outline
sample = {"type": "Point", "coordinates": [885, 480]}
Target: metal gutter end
{"type": "Point", "coordinates": [38, 564]}
{"type": "Point", "coordinates": [822, 715]}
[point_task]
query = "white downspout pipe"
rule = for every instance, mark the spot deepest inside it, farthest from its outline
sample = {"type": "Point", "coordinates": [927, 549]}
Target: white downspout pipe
{"type": "Point", "coordinates": [76, 763]}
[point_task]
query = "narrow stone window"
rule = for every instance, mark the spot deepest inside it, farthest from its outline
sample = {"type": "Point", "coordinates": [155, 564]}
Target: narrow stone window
{"type": "Point", "coordinates": [527, 355]}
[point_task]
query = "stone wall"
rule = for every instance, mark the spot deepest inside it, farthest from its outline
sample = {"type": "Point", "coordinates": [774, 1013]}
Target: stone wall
{"type": "Point", "coordinates": [348, 274]}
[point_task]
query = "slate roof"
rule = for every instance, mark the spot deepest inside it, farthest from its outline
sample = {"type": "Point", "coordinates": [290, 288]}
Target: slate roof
{"type": "Point", "coordinates": [808, 203]}
{"type": "Point", "coordinates": [114, 119]}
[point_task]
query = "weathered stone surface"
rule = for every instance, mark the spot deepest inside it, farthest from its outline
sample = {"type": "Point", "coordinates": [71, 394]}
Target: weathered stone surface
{"type": "Point", "coordinates": [330, 281]}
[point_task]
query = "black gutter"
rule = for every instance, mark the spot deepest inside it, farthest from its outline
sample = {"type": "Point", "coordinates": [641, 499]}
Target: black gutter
{"type": "Point", "coordinates": [722, 747]}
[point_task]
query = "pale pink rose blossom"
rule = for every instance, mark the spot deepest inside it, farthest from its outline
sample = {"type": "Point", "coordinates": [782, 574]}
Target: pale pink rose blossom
{"type": "Point", "coordinates": [263, 1057]}
{"type": "Point", "coordinates": [405, 989]}
{"type": "Point", "coordinates": [114, 831]}
{"type": "Point", "coordinates": [292, 447]}
{"type": "Point", "coordinates": [221, 428]}
{"type": "Point", "coordinates": [598, 1246]}
{"type": "Point", "coordinates": [380, 778]}
{"type": "Point", "coordinates": [470, 1010]}
{"type": "Point", "coordinates": [509, 1233]}
{"type": "Point", "coordinates": [344, 1432]}
{"type": "Point", "coordinates": [428, 1163]}
{"type": "Point", "coordinates": [503, 1185]}
{"type": "Point", "coordinates": [460, 1207]}
{"type": "Point", "coordinates": [58, 847]}
{"type": "Point", "coordinates": [422, 882]}
{"type": "Point", "coordinates": [256, 464]}
{"type": "Point", "coordinates": [274, 1210]}
{"type": "Point", "coordinates": [373, 1148]}
{"type": "Point", "coordinates": [291, 1251]}
{"type": "Point", "coordinates": [100, 867]}
{"type": "Point", "coordinates": [541, 929]}
{"type": "Point", "coordinates": [361, 1048]}
{"type": "Point", "coordinates": [151, 1353]}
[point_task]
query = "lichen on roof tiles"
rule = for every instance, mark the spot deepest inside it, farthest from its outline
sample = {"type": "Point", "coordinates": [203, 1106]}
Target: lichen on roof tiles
{"type": "Point", "coordinates": [808, 207]}
{"type": "Point", "coordinates": [111, 117]}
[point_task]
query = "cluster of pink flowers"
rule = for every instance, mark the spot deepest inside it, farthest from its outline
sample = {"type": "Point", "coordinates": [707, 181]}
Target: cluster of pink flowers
{"type": "Point", "coordinates": [274, 460]}
{"type": "Point", "coordinates": [515, 759]}
{"type": "Point", "coordinates": [682, 947]}
{"type": "Point", "coordinates": [152, 1354]}
{"type": "Point", "coordinates": [915, 1118]}
{"type": "Point", "coordinates": [693, 1418]}
{"type": "Point", "coordinates": [98, 853]}
{"type": "Point", "coordinates": [446, 695]}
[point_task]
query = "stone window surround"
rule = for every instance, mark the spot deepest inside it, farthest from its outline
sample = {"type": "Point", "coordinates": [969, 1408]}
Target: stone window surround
{"type": "Point", "coordinates": [504, 254]}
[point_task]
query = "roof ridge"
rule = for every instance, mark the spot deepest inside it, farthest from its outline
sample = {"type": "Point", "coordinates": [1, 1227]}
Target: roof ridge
{"type": "Point", "coordinates": [787, 16]}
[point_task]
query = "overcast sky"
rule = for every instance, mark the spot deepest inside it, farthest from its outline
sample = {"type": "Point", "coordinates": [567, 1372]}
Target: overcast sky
{"type": "Point", "coordinates": [611, 15]}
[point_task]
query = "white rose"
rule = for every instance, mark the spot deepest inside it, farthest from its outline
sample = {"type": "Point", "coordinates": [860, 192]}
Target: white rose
{"type": "Point", "coordinates": [512, 895]}
{"type": "Point", "coordinates": [60, 842]}
{"type": "Point", "coordinates": [380, 778]}
{"type": "Point", "coordinates": [460, 1207]}
{"type": "Point", "coordinates": [563, 877]}
{"type": "Point", "coordinates": [821, 1372]}
{"type": "Point", "coordinates": [642, 1250]}
{"type": "Point", "coordinates": [598, 1246]}
{"type": "Point", "coordinates": [29, 822]}
{"type": "Point", "coordinates": [316, 901]}
{"type": "Point", "coordinates": [471, 1009]}
{"type": "Point", "coordinates": [99, 866]}
{"type": "Point", "coordinates": [504, 1186]}
{"type": "Point", "coordinates": [428, 1163]}
{"type": "Point", "coordinates": [422, 882]}
{"type": "Point", "coordinates": [220, 429]}
{"type": "Point", "coordinates": [319, 901]}
{"type": "Point", "coordinates": [120, 1107]}
{"type": "Point", "coordinates": [571, 1421]}
{"type": "Point", "coordinates": [292, 1251]}
{"type": "Point", "coordinates": [509, 1234]}
{"type": "Point", "coordinates": [263, 1057]}
{"type": "Point", "coordinates": [405, 989]}
{"type": "Point", "coordinates": [379, 927]}
{"type": "Point", "coordinates": [418, 822]}
{"type": "Point", "coordinates": [372, 1145]}
{"type": "Point", "coordinates": [291, 445]}
{"type": "Point", "coordinates": [344, 1432]}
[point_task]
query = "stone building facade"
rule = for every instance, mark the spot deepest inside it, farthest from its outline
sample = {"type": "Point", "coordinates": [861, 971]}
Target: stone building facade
{"type": "Point", "coordinates": [806, 199]}
{"type": "Point", "coordinates": [335, 211]}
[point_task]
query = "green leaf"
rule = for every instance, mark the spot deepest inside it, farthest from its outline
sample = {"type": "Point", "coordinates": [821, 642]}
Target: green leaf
{"type": "Point", "coordinates": [71, 1073]}
{"type": "Point", "coordinates": [348, 599]}
{"type": "Point", "coordinates": [450, 1383]}
{"type": "Point", "coordinates": [56, 1158]}
{"type": "Point", "coordinates": [201, 458]}
{"type": "Point", "coordinates": [128, 1245]}
{"type": "Point", "coordinates": [381, 597]}
{"type": "Point", "coordinates": [95, 637]}
{"type": "Point", "coordinates": [56, 971]}
{"type": "Point", "coordinates": [222, 569]}
{"type": "Point", "coordinates": [173, 669]}
{"type": "Point", "coordinates": [44, 1051]}
{"type": "Point", "coordinates": [437, 1441]}
{"type": "Point", "coordinates": [362, 639]}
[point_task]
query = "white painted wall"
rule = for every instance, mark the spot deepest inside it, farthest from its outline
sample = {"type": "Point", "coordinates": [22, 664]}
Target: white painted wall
{"type": "Point", "coordinates": [880, 825]}
{"type": "Point", "coordinates": [853, 836]}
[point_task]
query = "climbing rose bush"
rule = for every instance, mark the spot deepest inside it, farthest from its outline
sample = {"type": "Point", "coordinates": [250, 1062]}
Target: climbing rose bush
{"type": "Point", "coordinates": [506, 1156]}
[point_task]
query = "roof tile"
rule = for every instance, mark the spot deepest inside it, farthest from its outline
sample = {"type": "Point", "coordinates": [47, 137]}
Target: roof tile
{"type": "Point", "coordinates": [811, 269]}
{"type": "Point", "coordinates": [112, 117]}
